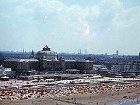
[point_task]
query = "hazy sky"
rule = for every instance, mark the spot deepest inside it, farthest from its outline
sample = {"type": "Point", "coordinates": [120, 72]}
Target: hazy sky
{"type": "Point", "coordinates": [99, 26]}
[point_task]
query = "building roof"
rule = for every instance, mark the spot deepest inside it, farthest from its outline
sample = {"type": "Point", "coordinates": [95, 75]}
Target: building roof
{"type": "Point", "coordinates": [22, 60]}
{"type": "Point", "coordinates": [50, 60]}
{"type": "Point", "coordinates": [7, 69]}
{"type": "Point", "coordinates": [46, 48]}
{"type": "Point", "coordinates": [78, 61]}
{"type": "Point", "coordinates": [47, 52]}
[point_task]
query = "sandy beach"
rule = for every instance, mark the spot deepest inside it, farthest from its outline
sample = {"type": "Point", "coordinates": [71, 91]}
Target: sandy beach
{"type": "Point", "coordinates": [105, 96]}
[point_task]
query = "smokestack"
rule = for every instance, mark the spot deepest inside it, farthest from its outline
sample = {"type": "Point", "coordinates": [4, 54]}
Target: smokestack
{"type": "Point", "coordinates": [80, 51]}
{"type": "Point", "coordinates": [117, 52]}
{"type": "Point", "coordinates": [139, 55]}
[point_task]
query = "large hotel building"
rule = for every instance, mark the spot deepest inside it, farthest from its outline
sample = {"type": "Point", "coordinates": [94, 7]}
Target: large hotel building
{"type": "Point", "coordinates": [47, 61]}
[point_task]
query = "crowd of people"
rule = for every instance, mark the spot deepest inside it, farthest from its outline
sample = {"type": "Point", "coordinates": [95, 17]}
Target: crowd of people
{"type": "Point", "coordinates": [52, 91]}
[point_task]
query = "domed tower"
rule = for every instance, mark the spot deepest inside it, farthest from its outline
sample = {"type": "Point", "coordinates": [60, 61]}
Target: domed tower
{"type": "Point", "coordinates": [47, 54]}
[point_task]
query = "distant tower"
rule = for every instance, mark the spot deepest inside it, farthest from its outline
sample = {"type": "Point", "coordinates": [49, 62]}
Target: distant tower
{"type": "Point", "coordinates": [80, 51]}
{"type": "Point", "coordinates": [139, 55]}
{"type": "Point", "coordinates": [117, 52]}
{"type": "Point", "coordinates": [85, 51]}
{"type": "Point", "coordinates": [32, 54]}
{"type": "Point", "coordinates": [23, 51]}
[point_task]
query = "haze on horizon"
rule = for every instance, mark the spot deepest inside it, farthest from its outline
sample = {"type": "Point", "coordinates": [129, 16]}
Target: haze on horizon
{"type": "Point", "coordinates": [100, 26]}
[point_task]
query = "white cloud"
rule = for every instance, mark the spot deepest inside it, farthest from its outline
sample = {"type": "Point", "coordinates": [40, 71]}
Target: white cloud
{"type": "Point", "coordinates": [98, 27]}
{"type": "Point", "coordinates": [87, 29]}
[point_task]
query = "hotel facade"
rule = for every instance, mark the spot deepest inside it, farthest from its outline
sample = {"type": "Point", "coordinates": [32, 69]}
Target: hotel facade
{"type": "Point", "coordinates": [47, 61]}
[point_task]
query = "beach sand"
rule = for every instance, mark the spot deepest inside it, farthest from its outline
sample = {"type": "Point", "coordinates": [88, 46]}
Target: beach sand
{"type": "Point", "coordinates": [106, 98]}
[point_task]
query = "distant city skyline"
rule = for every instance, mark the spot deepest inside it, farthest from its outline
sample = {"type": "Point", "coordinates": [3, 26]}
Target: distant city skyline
{"type": "Point", "coordinates": [94, 26]}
